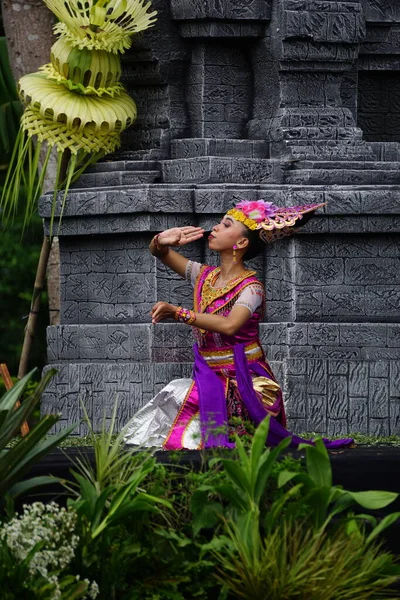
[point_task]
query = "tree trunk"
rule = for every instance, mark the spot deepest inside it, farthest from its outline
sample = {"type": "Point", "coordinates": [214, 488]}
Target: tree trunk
{"type": "Point", "coordinates": [28, 27]}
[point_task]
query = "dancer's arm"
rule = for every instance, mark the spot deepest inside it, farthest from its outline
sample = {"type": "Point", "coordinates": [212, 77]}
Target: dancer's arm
{"type": "Point", "coordinates": [178, 236]}
{"type": "Point", "coordinates": [228, 325]}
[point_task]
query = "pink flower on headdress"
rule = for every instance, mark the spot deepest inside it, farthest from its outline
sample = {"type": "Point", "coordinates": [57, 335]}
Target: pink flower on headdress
{"type": "Point", "coordinates": [258, 210]}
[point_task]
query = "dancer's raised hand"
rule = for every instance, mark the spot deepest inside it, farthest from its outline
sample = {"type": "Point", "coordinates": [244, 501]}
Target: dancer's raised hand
{"type": "Point", "coordinates": [180, 236]}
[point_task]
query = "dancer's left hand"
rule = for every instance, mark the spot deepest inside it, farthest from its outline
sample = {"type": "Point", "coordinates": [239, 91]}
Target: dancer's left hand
{"type": "Point", "coordinates": [162, 311]}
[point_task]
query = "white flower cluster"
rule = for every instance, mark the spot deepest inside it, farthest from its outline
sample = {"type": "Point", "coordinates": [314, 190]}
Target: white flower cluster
{"type": "Point", "coordinates": [49, 527]}
{"type": "Point", "coordinates": [48, 530]}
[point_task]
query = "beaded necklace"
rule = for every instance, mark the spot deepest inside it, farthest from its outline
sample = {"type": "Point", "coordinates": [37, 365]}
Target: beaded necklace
{"type": "Point", "coordinates": [210, 293]}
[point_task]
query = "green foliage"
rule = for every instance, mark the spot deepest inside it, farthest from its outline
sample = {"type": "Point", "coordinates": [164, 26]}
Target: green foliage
{"type": "Point", "coordinates": [249, 523]}
{"type": "Point", "coordinates": [114, 464]}
{"type": "Point", "coordinates": [291, 548]}
{"type": "Point", "coordinates": [10, 108]}
{"type": "Point", "coordinates": [19, 256]}
{"type": "Point", "coordinates": [292, 562]}
{"type": "Point", "coordinates": [323, 500]}
{"type": "Point", "coordinates": [16, 460]}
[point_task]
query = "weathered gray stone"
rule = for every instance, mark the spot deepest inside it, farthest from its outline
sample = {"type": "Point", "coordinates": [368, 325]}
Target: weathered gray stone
{"type": "Point", "coordinates": [239, 101]}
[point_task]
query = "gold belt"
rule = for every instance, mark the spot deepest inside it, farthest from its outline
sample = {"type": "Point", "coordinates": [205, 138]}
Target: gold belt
{"type": "Point", "coordinates": [225, 358]}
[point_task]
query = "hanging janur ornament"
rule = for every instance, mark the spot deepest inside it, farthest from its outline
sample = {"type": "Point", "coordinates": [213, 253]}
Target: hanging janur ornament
{"type": "Point", "coordinates": [76, 103]}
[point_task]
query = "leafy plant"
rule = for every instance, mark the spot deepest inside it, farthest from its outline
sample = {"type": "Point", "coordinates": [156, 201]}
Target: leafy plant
{"type": "Point", "coordinates": [325, 501]}
{"type": "Point", "coordinates": [15, 461]}
{"type": "Point", "coordinates": [10, 107]}
{"type": "Point", "coordinates": [114, 463]}
{"type": "Point", "coordinates": [294, 562]}
{"type": "Point", "coordinates": [285, 549]}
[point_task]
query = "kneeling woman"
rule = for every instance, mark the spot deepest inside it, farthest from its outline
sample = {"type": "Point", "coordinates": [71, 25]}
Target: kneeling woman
{"type": "Point", "coordinates": [231, 377]}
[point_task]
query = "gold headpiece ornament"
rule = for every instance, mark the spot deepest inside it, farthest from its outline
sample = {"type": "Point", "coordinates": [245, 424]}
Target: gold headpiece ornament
{"type": "Point", "coordinates": [273, 222]}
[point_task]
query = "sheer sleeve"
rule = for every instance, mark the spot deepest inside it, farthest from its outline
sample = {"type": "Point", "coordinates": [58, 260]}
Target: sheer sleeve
{"type": "Point", "coordinates": [192, 271]}
{"type": "Point", "coordinates": [252, 297]}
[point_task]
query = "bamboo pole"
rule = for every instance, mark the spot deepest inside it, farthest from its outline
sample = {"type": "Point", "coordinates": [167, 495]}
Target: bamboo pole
{"type": "Point", "coordinates": [40, 282]}
{"type": "Point", "coordinates": [30, 329]}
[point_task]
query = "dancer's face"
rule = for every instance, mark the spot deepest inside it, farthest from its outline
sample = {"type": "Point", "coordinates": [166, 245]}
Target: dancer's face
{"type": "Point", "coordinates": [226, 234]}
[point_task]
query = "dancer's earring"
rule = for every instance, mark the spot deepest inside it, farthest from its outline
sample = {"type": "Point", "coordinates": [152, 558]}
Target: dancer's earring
{"type": "Point", "coordinates": [234, 254]}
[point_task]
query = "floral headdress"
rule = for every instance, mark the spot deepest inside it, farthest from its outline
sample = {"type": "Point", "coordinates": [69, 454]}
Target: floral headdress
{"type": "Point", "coordinates": [273, 222]}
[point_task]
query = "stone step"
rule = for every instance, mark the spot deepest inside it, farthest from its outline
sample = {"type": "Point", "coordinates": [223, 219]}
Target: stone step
{"type": "Point", "coordinates": [341, 177]}
{"type": "Point", "coordinates": [322, 134]}
{"type": "Point", "coordinates": [387, 151]}
{"type": "Point", "coordinates": [348, 164]}
{"type": "Point", "coordinates": [123, 165]}
{"type": "Point", "coordinates": [190, 148]}
{"type": "Point", "coordinates": [115, 178]}
{"type": "Point", "coordinates": [323, 6]}
{"type": "Point", "coordinates": [182, 202]}
{"type": "Point", "coordinates": [336, 152]}
{"type": "Point", "coordinates": [214, 169]}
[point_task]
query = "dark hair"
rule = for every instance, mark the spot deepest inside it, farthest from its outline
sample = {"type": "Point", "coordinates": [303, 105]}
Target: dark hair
{"type": "Point", "coordinates": [256, 245]}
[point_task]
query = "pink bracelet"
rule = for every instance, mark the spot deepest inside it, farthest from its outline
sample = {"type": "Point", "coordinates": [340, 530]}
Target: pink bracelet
{"type": "Point", "coordinates": [183, 315]}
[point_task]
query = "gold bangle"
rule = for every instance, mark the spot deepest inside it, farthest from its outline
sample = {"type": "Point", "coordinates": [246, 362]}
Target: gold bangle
{"type": "Point", "coordinates": [183, 315]}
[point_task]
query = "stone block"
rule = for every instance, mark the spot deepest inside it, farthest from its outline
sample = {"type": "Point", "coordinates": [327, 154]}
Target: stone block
{"type": "Point", "coordinates": [358, 415]}
{"type": "Point", "coordinates": [343, 303]}
{"type": "Point", "coordinates": [378, 398]}
{"type": "Point", "coordinates": [394, 335]}
{"type": "Point", "coordinates": [358, 379]}
{"type": "Point", "coordinates": [296, 396]}
{"type": "Point", "coordinates": [297, 334]}
{"type": "Point", "coordinates": [317, 377]}
{"type": "Point", "coordinates": [394, 379]}
{"type": "Point", "coordinates": [379, 369]}
{"type": "Point", "coordinates": [337, 427]}
{"type": "Point", "coordinates": [373, 334]}
{"type": "Point", "coordinates": [379, 427]}
{"type": "Point", "coordinates": [316, 408]}
{"type": "Point", "coordinates": [382, 302]}
{"type": "Point", "coordinates": [338, 367]}
{"type": "Point", "coordinates": [315, 271]}
{"type": "Point", "coordinates": [337, 397]}
{"type": "Point", "coordinates": [309, 303]}
{"type": "Point", "coordinates": [92, 341]}
{"type": "Point", "coordinates": [323, 334]}
{"type": "Point", "coordinates": [372, 271]}
{"type": "Point", "coordinates": [296, 366]}
{"type": "Point", "coordinates": [380, 353]}
{"type": "Point", "coordinates": [394, 421]}
{"type": "Point", "coordinates": [355, 246]}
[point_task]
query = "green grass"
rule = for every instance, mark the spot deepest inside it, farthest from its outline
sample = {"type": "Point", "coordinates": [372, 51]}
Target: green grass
{"type": "Point", "coordinates": [362, 439]}
{"type": "Point", "coordinates": [359, 438]}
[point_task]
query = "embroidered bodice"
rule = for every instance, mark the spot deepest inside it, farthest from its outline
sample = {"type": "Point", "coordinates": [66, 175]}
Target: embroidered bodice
{"type": "Point", "coordinates": [244, 290]}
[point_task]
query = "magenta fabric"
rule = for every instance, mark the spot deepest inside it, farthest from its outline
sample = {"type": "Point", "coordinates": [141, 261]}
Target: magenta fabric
{"type": "Point", "coordinates": [210, 392]}
{"type": "Point", "coordinates": [212, 404]}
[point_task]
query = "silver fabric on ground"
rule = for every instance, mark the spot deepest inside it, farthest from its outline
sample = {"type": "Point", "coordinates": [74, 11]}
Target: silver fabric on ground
{"type": "Point", "coordinates": [151, 424]}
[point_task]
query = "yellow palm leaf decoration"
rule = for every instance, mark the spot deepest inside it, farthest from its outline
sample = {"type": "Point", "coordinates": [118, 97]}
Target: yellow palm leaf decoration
{"type": "Point", "coordinates": [103, 25]}
{"type": "Point", "coordinates": [75, 103]}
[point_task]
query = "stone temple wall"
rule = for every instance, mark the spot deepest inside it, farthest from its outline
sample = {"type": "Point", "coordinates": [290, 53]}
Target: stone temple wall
{"type": "Point", "coordinates": [293, 101]}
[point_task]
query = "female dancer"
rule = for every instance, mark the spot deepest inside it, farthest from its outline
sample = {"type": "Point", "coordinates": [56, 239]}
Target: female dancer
{"type": "Point", "coordinates": [231, 377]}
